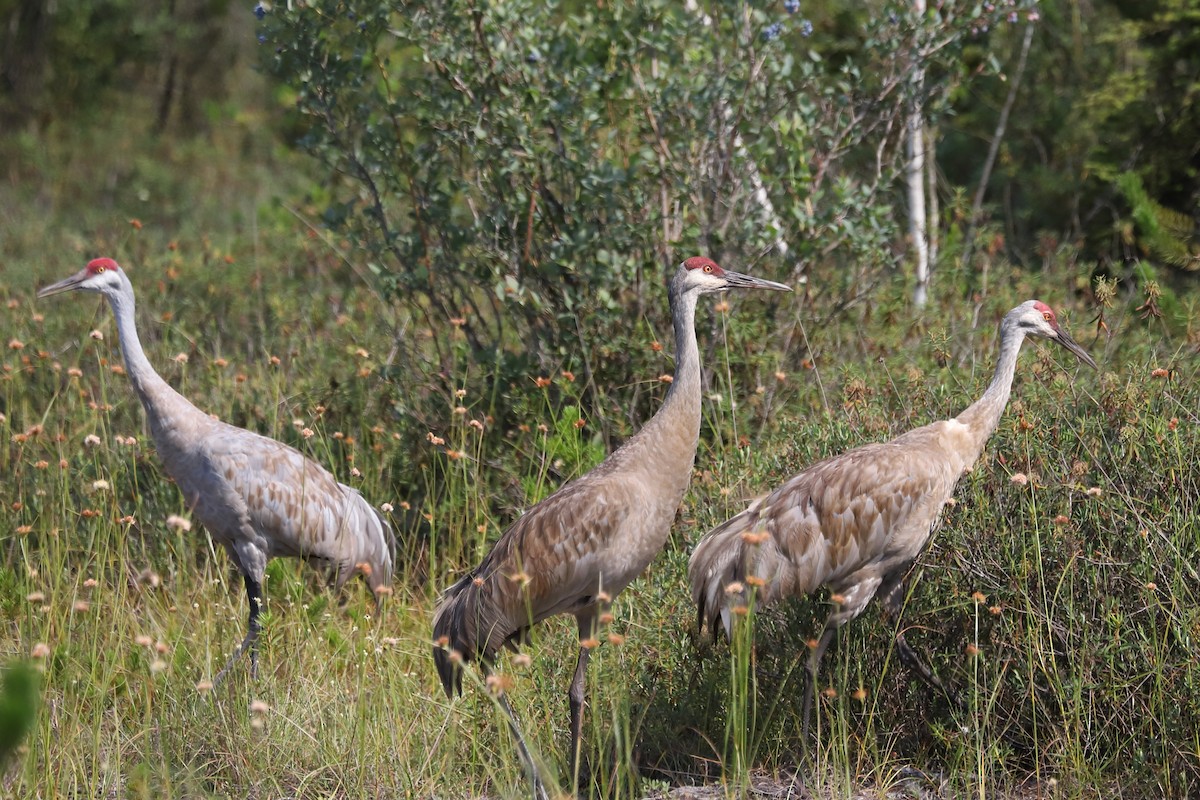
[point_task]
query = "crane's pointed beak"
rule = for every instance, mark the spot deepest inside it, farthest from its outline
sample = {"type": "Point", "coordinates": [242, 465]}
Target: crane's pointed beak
{"type": "Point", "coordinates": [1064, 338]}
{"type": "Point", "coordinates": [738, 280]}
{"type": "Point", "coordinates": [65, 285]}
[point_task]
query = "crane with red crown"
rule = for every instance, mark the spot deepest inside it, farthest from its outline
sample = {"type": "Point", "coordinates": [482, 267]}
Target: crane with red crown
{"type": "Point", "coordinates": [257, 497]}
{"type": "Point", "coordinates": [856, 522]}
{"type": "Point", "coordinates": [575, 551]}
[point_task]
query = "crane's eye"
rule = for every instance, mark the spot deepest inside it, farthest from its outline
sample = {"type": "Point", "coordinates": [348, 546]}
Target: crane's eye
{"type": "Point", "coordinates": [1047, 316]}
{"type": "Point", "coordinates": [99, 270]}
{"type": "Point", "coordinates": [708, 267]}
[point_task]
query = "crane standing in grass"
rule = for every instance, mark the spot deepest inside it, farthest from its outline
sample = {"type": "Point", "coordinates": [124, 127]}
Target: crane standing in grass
{"type": "Point", "coordinates": [857, 521]}
{"type": "Point", "coordinates": [256, 496]}
{"type": "Point", "coordinates": [576, 550]}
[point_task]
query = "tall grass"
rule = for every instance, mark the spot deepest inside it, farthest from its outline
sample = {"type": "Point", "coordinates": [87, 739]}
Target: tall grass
{"type": "Point", "coordinates": [1063, 605]}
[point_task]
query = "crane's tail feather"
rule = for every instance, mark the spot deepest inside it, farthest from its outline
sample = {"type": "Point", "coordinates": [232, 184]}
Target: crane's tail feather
{"type": "Point", "coordinates": [390, 551]}
{"type": "Point", "coordinates": [722, 564]}
{"type": "Point", "coordinates": [372, 549]}
{"type": "Point", "coordinates": [715, 569]}
{"type": "Point", "coordinates": [462, 623]}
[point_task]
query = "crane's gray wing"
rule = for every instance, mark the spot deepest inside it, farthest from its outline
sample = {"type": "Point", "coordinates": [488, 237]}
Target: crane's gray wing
{"type": "Point", "coordinates": [842, 522]}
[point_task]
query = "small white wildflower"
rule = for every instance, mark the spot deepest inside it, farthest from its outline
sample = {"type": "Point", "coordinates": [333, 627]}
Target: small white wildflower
{"type": "Point", "coordinates": [178, 522]}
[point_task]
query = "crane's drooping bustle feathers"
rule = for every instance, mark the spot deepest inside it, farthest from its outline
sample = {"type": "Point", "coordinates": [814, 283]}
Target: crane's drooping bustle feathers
{"type": "Point", "coordinates": [855, 522]}
{"type": "Point", "coordinates": [577, 549]}
{"type": "Point", "coordinates": [256, 496]}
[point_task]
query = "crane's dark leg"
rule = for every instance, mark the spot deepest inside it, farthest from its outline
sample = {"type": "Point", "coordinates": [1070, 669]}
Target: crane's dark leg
{"type": "Point", "coordinates": [535, 778]}
{"type": "Point", "coordinates": [810, 672]}
{"type": "Point", "coordinates": [577, 694]}
{"type": "Point", "coordinates": [254, 595]}
{"type": "Point", "coordinates": [893, 605]}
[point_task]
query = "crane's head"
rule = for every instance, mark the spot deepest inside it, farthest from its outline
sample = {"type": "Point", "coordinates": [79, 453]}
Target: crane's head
{"type": "Point", "coordinates": [1036, 318]}
{"type": "Point", "coordinates": [702, 275]}
{"type": "Point", "coordinates": [100, 275]}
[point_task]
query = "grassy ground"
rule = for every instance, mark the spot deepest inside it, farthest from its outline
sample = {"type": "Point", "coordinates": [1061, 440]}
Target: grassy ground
{"type": "Point", "coordinates": [1063, 605]}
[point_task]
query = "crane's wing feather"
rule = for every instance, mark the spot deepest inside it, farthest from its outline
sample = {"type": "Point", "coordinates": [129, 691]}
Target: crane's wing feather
{"type": "Point", "coordinates": [293, 503]}
{"type": "Point", "coordinates": [556, 558]}
{"type": "Point", "coordinates": [843, 521]}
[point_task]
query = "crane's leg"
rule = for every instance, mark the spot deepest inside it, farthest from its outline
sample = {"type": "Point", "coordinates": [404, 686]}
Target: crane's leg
{"type": "Point", "coordinates": [535, 778]}
{"type": "Point", "coordinates": [810, 672]}
{"type": "Point", "coordinates": [893, 605]}
{"type": "Point", "coordinates": [254, 595]}
{"type": "Point", "coordinates": [577, 694]}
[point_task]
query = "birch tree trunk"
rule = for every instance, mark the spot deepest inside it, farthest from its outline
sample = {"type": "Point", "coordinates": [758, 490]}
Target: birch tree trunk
{"type": "Point", "coordinates": [915, 178]}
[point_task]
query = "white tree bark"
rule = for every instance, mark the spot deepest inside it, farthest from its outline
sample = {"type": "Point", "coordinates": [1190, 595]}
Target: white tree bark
{"type": "Point", "coordinates": [915, 178]}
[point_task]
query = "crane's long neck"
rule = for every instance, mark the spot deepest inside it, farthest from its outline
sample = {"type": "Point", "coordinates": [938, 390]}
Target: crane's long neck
{"type": "Point", "coordinates": [983, 415]}
{"type": "Point", "coordinates": [669, 439]}
{"type": "Point", "coordinates": [685, 386]}
{"type": "Point", "coordinates": [157, 396]}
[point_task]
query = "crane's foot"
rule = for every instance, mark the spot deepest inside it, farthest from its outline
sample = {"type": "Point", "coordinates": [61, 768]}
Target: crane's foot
{"type": "Point", "coordinates": [248, 644]}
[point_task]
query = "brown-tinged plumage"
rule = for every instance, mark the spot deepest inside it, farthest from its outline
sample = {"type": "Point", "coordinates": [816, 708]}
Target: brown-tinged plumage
{"type": "Point", "coordinates": [856, 522]}
{"type": "Point", "coordinates": [577, 549]}
{"type": "Point", "coordinates": [256, 496]}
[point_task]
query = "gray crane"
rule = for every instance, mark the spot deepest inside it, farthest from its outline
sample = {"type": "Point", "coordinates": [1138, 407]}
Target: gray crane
{"type": "Point", "coordinates": [256, 496]}
{"type": "Point", "coordinates": [857, 521]}
{"type": "Point", "coordinates": [573, 552]}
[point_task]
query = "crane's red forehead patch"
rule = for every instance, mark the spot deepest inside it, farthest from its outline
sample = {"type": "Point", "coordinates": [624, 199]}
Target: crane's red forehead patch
{"type": "Point", "coordinates": [98, 265]}
{"type": "Point", "coordinates": [700, 262]}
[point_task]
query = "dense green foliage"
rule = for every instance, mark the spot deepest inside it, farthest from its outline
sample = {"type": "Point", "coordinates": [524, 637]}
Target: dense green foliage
{"type": "Point", "coordinates": [489, 319]}
{"type": "Point", "coordinates": [523, 166]}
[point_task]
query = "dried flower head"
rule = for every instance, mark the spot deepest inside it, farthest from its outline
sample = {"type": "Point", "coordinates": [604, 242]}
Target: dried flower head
{"type": "Point", "coordinates": [179, 523]}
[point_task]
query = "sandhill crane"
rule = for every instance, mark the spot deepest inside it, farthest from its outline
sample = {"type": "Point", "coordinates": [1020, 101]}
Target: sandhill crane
{"type": "Point", "coordinates": [576, 550]}
{"type": "Point", "coordinates": [856, 522]}
{"type": "Point", "coordinates": [256, 496]}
